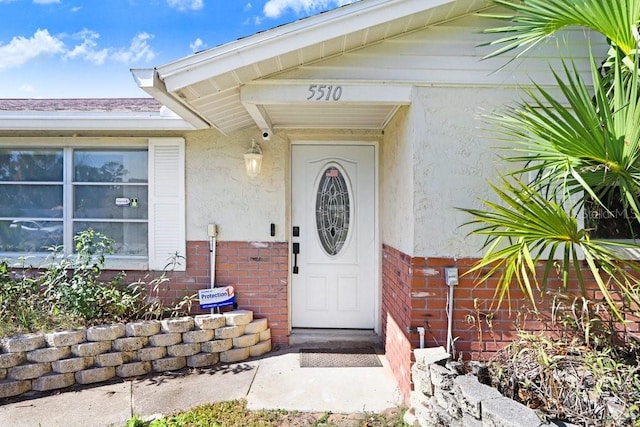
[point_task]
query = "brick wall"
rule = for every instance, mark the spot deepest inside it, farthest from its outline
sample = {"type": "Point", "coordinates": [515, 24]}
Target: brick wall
{"type": "Point", "coordinates": [258, 271]}
{"type": "Point", "coordinates": [478, 330]}
{"type": "Point", "coordinates": [396, 315]}
{"type": "Point", "coordinates": [415, 294]}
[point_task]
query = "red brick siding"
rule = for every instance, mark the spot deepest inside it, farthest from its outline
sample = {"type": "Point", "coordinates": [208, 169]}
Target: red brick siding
{"type": "Point", "coordinates": [414, 293]}
{"type": "Point", "coordinates": [396, 315]}
{"type": "Point", "coordinates": [258, 271]}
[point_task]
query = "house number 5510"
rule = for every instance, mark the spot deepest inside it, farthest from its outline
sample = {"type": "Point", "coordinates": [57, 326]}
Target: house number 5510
{"type": "Point", "coordinates": [324, 93]}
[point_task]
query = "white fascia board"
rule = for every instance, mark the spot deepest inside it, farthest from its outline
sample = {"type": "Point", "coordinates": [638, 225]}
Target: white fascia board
{"type": "Point", "coordinates": [89, 121]}
{"type": "Point", "coordinates": [296, 35]}
{"type": "Point", "coordinates": [148, 80]}
{"type": "Point", "coordinates": [316, 92]}
{"type": "Point", "coordinates": [259, 116]}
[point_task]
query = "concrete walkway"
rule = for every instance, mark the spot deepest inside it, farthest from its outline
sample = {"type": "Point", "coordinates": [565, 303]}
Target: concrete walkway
{"type": "Point", "coordinates": [274, 381]}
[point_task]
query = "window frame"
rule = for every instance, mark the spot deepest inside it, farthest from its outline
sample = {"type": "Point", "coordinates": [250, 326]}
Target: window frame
{"type": "Point", "coordinates": [68, 144]}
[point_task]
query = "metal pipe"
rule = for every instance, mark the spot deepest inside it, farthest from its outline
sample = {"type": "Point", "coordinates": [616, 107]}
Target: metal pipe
{"type": "Point", "coordinates": [212, 230]}
{"type": "Point", "coordinates": [421, 332]}
{"type": "Point", "coordinates": [450, 317]}
{"type": "Point", "coordinates": [212, 256]}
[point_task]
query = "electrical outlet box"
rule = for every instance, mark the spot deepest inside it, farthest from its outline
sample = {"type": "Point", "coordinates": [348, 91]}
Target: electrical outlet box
{"type": "Point", "coordinates": [451, 276]}
{"type": "Point", "coordinates": [212, 230]}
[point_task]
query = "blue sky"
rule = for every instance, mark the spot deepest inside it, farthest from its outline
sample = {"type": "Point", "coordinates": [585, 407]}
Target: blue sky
{"type": "Point", "coordinates": [85, 48]}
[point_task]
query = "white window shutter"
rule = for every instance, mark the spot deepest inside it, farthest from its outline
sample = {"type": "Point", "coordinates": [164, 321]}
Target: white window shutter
{"type": "Point", "coordinates": [167, 235]}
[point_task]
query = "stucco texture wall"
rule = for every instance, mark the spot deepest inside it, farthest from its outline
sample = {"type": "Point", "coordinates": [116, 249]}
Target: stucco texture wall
{"type": "Point", "coordinates": [396, 183]}
{"type": "Point", "coordinates": [220, 191]}
{"type": "Point", "coordinates": [438, 156]}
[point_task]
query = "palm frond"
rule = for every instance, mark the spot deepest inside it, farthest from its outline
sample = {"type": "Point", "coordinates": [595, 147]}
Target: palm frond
{"type": "Point", "coordinates": [534, 20]}
{"type": "Point", "coordinates": [526, 228]}
{"type": "Point", "coordinates": [578, 145]}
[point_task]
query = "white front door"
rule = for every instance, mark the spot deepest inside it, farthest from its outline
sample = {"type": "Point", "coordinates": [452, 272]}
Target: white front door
{"type": "Point", "coordinates": [333, 218]}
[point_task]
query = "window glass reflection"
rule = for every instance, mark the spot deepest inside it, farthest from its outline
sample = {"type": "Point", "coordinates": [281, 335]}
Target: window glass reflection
{"type": "Point", "coordinates": [110, 166]}
{"type": "Point", "coordinates": [30, 165]}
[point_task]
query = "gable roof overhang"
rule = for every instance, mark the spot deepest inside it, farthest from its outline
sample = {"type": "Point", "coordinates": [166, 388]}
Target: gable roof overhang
{"type": "Point", "coordinates": [65, 121]}
{"type": "Point", "coordinates": [89, 114]}
{"type": "Point", "coordinates": [235, 86]}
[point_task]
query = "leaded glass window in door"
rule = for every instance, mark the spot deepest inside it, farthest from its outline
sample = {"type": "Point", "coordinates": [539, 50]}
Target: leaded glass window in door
{"type": "Point", "coordinates": [333, 209]}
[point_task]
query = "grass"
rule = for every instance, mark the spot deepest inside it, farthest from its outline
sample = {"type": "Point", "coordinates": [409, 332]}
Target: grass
{"type": "Point", "coordinates": [235, 414]}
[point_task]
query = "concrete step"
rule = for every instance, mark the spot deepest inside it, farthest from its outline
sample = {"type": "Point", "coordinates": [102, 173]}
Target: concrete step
{"type": "Point", "coordinates": [333, 337]}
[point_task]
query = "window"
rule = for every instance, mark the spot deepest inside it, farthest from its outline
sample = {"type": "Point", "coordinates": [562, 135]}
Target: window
{"type": "Point", "coordinates": [133, 193]}
{"type": "Point", "coordinates": [333, 210]}
{"type": "Point", "coordinates": [616, 221]}
{"type": "Point", "coordinates": [110, 195]}
{"type": "Point", "coordinates": [31, 190]}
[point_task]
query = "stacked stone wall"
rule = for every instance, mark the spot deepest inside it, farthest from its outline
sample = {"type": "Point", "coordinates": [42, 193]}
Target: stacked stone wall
{"type": "Point", "coordinates": [57, 360]}
{"type": "Point", "coordinates": [443, 396]}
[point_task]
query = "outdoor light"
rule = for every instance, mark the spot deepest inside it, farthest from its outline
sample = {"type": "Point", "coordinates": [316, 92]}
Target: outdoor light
{"type": "Point", "coordinates": [253, 159]}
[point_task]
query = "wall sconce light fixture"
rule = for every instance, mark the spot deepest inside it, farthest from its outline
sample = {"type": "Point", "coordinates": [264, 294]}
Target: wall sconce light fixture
{"type": "Point", "coordinates": [253, 159]}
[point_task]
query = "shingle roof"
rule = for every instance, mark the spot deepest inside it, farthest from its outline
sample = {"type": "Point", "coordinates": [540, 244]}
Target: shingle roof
{"type": "Point", "coordinates": [82, 105]}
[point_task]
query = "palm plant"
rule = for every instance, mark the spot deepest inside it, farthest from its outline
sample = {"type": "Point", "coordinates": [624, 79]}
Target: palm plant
{"type": "Point", "coordinates": [586, 143]}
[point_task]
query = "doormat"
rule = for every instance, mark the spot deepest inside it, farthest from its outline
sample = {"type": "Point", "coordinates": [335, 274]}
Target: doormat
{"type": "Point", "coordinates": [364, 357]}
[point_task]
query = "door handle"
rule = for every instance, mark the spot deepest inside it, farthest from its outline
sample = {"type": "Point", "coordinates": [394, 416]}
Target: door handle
{"type": "Point", "coordinates": [296, 251]}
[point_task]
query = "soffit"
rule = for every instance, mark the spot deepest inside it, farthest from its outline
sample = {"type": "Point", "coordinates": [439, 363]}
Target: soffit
{"type": "Point", "coordinates": [209, 84]}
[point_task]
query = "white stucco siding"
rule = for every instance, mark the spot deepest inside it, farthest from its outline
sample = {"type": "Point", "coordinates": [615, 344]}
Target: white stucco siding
{"type": "Point", "coordinates": [455, 158]}
{"type": "Point", "coordinates": [219, 190]}
{"type": "Point", "coordinates": [397, 183]}
{"type": "Point", "coordinates": [449, 54]}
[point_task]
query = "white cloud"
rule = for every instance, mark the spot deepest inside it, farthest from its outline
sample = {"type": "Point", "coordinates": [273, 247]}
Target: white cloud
{"type": "Point", "coordinates": [276, 8]}
{"type": "Point", "coordinates": [183, 5]}
{"type": "Point", "coordinates": [87, 48]}
{"type": "Point", "coordinates": [46, 1]}
{"type": "Point", "coordinates": [21, 50]}
{"type": "Point", "coordinates": [197, 45]}
{"type": "Point", "coordinates": [138, 50]}
{"type": "Point", "coordinates": [26, 88]}
{"type": "Point", "coordinates": [248, 7]}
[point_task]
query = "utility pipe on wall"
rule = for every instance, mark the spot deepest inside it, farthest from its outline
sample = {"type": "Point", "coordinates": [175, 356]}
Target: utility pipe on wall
{"type": "Point", "coordinates": [421, 332]}
{"type": "Point", "coordinates": [212, 231]}
{"type": "Point", "coordinates": [451, 277]}
{"type": "Point", "coordinates": [449, 319]}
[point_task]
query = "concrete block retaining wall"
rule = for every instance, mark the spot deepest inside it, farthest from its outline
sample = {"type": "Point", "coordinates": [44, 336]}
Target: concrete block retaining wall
{"type": "Point", "coordinates": [50, 361]}
{"type": "Point", "coordinates": [444, 397]}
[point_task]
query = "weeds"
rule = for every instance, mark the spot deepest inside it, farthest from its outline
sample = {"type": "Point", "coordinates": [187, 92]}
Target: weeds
{"type": "Point", "coordinates": [71, 291]}
{"type": "Point", "coordinates": [235, 414]}
{"type": "Point", "coordinates": [586, 371]}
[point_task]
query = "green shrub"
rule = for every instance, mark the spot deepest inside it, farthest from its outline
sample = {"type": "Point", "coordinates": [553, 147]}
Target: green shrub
{"type": "Point", "coordinates": [70, 291]}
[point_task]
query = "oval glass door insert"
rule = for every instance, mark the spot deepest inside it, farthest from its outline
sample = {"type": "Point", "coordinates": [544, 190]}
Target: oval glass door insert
{"type": "Point", "coordinates": [333, 208]}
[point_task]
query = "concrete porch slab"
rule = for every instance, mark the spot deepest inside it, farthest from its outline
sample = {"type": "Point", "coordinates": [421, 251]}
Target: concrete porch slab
{"type": "Point", "coordinates": [282, 384]}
